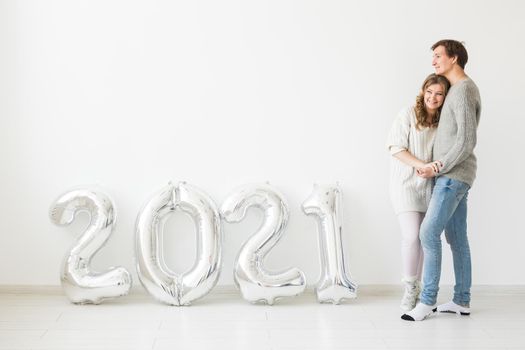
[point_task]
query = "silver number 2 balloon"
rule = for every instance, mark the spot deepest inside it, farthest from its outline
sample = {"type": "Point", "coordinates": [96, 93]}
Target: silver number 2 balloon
{"type": "Point", "coordinates": [256, 284]}
{"type": "Point", "coordinates": [334, 284]}
{"type": "Point", "coordinates": [155, 275]}
{"type": "Point", "coordinates": [81, 284]}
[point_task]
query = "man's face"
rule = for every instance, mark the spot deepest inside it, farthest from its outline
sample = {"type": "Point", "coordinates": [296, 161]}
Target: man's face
{"type": "Point", "coordinates": [441, 62]}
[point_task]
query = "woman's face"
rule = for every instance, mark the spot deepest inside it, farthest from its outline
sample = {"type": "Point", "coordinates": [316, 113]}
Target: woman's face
{"type": "Point", "coordinates": [434, 97]}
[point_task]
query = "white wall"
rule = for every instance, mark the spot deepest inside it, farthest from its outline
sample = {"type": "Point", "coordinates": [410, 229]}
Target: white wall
{"type": "Point", "coordinates": [131, 94]}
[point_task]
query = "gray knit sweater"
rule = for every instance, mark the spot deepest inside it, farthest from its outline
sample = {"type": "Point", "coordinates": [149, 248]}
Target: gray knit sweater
{"type": "Point", "coordinates": [456, 134]}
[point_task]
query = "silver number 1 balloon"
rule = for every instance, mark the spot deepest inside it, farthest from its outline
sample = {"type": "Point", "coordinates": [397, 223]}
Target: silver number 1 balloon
{"type": "Point", "coordinates": [334, 284]}
{"type": "Point", "coordinates": [256, 284]}
{"type": "Point", "coordinates": [155, 275]}
{"type": "Point", "coordinates": [81, 284]}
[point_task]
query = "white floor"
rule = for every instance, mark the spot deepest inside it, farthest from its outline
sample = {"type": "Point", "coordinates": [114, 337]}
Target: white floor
{"type": "Point", "coordinates": [223, 320]}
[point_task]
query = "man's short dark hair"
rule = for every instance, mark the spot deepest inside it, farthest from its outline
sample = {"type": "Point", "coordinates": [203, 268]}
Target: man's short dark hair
{"type": "Point", "coordinates": [454, 48]}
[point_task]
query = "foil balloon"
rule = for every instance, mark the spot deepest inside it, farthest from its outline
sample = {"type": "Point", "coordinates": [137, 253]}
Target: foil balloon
{"type": "Point", "coordinates": [255, 283]}
{"type": "Point", "coordinates": [334, 284]}
{"type": "Point", "coordinates": [163, 284]}
{"type": "Point", "coordinates": [79, 282]}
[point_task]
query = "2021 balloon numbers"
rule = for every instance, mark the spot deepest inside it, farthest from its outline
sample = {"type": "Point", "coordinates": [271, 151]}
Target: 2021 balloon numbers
{"type": "Point", "coordinates": [81, 285]}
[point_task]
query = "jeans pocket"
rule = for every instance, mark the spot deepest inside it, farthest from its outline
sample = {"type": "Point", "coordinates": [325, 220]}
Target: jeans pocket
{"type": "Point", "coordinates": [461, 189]}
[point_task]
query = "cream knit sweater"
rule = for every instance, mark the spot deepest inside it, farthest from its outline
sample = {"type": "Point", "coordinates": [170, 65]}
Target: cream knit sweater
{"type": "Point", "coordinates": [409, 192]}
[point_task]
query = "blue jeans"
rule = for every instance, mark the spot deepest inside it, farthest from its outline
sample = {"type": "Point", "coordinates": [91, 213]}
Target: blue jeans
{"type": "Point", "coordinates": [447, 212]}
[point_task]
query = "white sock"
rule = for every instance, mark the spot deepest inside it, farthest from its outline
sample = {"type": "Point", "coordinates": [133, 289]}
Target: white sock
{"type": "Point", "coordinates": [419, 313]}
{"type": "Point", "coordinates": [454, 308]}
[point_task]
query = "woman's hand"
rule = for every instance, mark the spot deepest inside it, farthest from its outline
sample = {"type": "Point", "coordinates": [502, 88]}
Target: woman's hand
{"type": "Point", "coordinates": [430, 169]}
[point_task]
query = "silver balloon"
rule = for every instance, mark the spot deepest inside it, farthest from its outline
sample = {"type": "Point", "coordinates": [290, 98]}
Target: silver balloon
{"type": "Point", "coordinates": [256, 284]}
{"type": "Point", "coordinates": [80, 284]}
{"type": "Point", "coordinates": [325, 204]}
{"type": "Point", "coordinates": [163, 284]}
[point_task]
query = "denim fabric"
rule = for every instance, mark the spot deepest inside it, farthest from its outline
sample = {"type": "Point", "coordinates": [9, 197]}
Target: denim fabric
{"type": "Point", "coordinates": [447, 212]}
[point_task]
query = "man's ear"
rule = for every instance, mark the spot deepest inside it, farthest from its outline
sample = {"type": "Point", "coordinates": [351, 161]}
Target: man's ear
{"type": "Point", "coordinates": [455, 59]}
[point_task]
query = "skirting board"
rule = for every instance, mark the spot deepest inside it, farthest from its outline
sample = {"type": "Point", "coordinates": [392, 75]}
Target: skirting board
{"type": "Point", "coordinates": [370, 289]}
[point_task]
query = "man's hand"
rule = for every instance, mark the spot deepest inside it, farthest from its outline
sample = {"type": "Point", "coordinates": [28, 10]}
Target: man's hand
{"type": "Point", "coordinates": [430, 169]}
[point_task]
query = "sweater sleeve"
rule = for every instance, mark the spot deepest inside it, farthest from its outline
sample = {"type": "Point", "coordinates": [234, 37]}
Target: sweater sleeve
{"type": "Point", "coordinates": [465, 113]}
{"type": "Point", "coordinates": [397, 140]}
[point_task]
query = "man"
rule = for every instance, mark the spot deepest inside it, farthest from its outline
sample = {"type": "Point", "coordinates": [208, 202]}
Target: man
{"type": "Point", "coordinates": [453, 152]}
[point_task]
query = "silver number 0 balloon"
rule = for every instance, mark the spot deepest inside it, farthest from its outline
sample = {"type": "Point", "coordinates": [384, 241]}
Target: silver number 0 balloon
{"type": "Point", "coordinates": [255, 283]}
{"type": "Point", "coordinates": [334, 284]}
{"type": "Point", "coordinates": [81, 284]}
{"type": "Point", "coordinates": [153, 272]}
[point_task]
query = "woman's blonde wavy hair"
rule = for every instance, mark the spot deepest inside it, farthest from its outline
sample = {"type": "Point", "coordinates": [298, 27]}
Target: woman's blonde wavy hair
{"type": "Point", "coordinates": [419, 108]}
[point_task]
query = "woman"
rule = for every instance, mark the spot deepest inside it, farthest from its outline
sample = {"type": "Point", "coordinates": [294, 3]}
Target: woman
{"type": "Point", "coordinates": [410, 143]}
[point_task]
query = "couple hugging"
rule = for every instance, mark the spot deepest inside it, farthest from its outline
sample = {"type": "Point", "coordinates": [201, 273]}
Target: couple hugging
{"type": "Point", "coordinates": [433, 167]}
